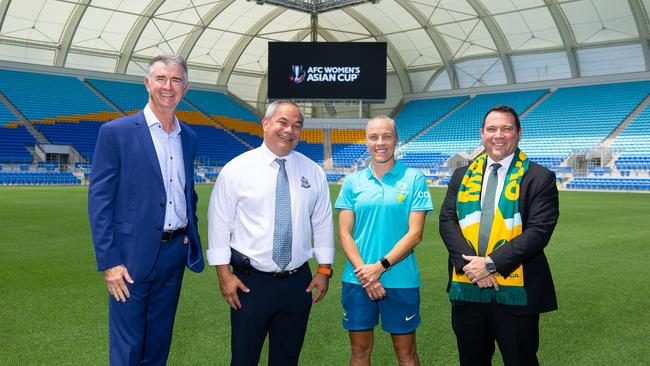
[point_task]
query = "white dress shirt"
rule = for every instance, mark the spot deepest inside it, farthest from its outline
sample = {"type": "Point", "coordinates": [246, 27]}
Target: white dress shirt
{"type": "Point", "coordinates": [241, 213]}
{"type": "Point", "coordinates": [501, 173]}
{"type": "Point", "coordinates": [170, 156]}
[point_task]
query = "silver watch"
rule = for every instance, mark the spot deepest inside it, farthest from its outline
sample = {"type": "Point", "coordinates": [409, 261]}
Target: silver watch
{"type": "Point", "coordinates": [489, 265]}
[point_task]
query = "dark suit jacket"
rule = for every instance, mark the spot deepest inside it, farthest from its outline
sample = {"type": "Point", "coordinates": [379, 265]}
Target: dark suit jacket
{"type": "Point", "coordinates": [126, 198]}
{"type": "Point", "coordinates": [539, 208]}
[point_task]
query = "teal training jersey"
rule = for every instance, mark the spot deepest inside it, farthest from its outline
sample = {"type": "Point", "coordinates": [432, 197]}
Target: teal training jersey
{"type": "Point", "coordinates": [381, 212]}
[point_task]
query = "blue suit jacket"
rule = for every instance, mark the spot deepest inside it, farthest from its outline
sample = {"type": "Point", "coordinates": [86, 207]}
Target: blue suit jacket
{"type": "Point", "coordinates": [126, 198]}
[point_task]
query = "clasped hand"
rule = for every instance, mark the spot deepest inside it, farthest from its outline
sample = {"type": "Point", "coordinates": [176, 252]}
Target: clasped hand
{"type": "Point", "coordinates": [475, 270]}
{"type": "Point", "coordinates": [367, 274]}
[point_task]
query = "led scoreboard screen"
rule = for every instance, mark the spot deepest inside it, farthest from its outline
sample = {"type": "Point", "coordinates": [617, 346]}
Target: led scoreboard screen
{"type": "Point", "coordinates": [327, 70]}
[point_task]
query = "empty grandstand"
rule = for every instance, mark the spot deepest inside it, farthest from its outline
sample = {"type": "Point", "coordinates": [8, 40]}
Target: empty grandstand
{"type": "Point", "coordinates": [582, 117]}
{"type": "Point", "coordinates": [557, 124]}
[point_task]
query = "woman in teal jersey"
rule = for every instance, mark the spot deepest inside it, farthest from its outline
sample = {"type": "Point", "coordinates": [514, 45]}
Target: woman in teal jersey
{"type": "Point", "coordinates": [381, 220]}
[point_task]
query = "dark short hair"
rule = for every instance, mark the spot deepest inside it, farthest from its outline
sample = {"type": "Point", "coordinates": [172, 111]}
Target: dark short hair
{"type": "Point", "coordinates": [503, 109]}
{"type": "Point", "coordinates": [169, 59]}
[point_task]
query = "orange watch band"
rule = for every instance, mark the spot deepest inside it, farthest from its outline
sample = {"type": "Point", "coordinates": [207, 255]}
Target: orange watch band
{"type": "Point", "coordinates": [329, 272]}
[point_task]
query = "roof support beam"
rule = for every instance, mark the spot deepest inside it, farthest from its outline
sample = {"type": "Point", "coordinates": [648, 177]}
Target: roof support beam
{"type": "Point", "coordinates": [497, 37]}
{"type": "Point", "coordinates": [240, 47]}
{"type": "Point", "coordinates": [434, 35]}
{"type": "Point", "coordinates": [69, 31]}
{"type": "Point", "coordinates": [393, 55]}
{"type": "Point", "coordinates": [566, 35]}
{"type": "Point", "coordinates": [642, 26]}
{"type": "Point", "coordinates": [4, 5]}
{"type": "Point", "coordinates": [134, 35]}
{"type": "Point", "coordinates": [197, 32]}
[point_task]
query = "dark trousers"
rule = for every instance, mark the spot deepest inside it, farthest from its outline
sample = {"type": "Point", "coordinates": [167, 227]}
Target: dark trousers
{"type": "Point", "coordinates": [278, 307]}
{"type": "Point", "coordinates": [479, 325]}
{"type": "Point", "coordinates": [140, 329]}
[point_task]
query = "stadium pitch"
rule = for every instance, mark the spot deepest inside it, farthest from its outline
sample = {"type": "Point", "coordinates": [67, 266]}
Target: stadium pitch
{"type": "Point", "coordinates": [53, 303]}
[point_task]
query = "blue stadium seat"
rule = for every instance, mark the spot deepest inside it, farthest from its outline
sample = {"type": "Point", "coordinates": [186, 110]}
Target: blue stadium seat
{"type": "Point", "coordinates": [39, 96]}
{"type": "Point", "coordinates": [38, 178]}
{"type": "Point", "coordinates": [460, 131]}
{"type": "Point", "coordinates": [13, 144]}
{"type": "Point", "coordinates": [128, 97]}
{"type": "Point", "coordinates": [219, 104]}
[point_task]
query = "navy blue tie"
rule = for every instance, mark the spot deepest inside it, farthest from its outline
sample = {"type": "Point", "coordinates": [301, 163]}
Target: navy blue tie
{"type": "Point", "coordinates": [282, 233]}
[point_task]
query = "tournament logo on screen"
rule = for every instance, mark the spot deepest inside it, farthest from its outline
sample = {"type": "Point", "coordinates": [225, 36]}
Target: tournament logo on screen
{"type": "Point", "coordinates": [297, 74]}
{"type": "Point", "coordinates": [323, 74]}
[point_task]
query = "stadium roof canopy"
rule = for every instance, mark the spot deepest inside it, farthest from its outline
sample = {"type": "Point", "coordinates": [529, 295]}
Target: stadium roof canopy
{"type": "Point", "coordinates": [432, 44]}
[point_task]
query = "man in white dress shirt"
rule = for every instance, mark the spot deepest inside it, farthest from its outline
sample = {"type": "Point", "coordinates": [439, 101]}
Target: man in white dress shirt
{"type": "Point", "coordinates": [263, 198]}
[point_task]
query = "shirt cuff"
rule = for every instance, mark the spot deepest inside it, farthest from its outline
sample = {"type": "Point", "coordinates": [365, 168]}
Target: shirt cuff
{"type": "Point", "coordinates": [218, 256]}
{"type": "Point", "coordinates": [324, 255]}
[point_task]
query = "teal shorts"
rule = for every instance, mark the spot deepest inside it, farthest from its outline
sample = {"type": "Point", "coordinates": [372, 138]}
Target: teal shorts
{"type": "Point", "coordinates": [399, 311]}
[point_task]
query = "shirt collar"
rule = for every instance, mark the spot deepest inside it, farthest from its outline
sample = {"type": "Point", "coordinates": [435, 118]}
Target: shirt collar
{"type": "Point", "coordinates": [505, 162]}
{"type": "Point", "coordinates": [152, 120]}
{"type": "Point", "coordinates": [270, 157]}
{"type": "Point", "coordinates": [395, 170]}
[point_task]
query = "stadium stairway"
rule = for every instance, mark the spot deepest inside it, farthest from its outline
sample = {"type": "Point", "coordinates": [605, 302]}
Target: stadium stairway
{"type": "Point", "coordinates": [626, 122]}
{"type": "Point", "coordinates": [33, 131]}
{"type": "Point", "coordinates": [102, 96]}
{"type": "Point", "coordinates": [216, 122]}
{"type": "Point", "coordinates": [423, 131]}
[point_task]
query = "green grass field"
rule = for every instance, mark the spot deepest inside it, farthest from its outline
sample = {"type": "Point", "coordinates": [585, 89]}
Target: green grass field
{"type": "Point", "coordinates": [53, 303]}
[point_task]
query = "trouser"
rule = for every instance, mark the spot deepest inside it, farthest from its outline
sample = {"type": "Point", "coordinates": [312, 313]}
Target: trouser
{"type": "Point", "coordinates": [277, 306]}
{"type": "Point", "coordinates": [479, 325]}
{"type": "Point", "coordinates": [140, 329]}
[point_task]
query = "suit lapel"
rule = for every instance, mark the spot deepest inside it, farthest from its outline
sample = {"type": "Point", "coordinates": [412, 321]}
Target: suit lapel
{"type": "Point", "coordinates": [144, 137]}
{"type": "Point", "coordinates": [187, 160]}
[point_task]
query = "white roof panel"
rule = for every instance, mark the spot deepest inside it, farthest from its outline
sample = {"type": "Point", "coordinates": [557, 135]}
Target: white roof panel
{"type": "Point", "coordinates": [162, 36]}
{"type": "Point", "coordinates": [529, 29]}
{"type": "Point", "coordinates": [501, 6]}
{"type": "Point", "coordinates": [598, 21]}
{"type": "Point", "coordinates": [422, 35]}
{"type": "Point", "coordinates": [36, 20]}
{"type": "Point", "coordinates": [415, 48]}
{"type": "Point", "coordinates": [342, 25]}
{"type": "Point", "coordinates": [130, 6]}
{"type": "Point", "coordinates": [467, 38]}
{"type": "Point", "coordinates": [103, 29]}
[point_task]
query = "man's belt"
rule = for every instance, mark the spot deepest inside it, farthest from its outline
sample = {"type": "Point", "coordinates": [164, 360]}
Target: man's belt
{"type": "Point", "coordinates": [283, 274]}
{"type": "Point", "coordinates": [169, 235]}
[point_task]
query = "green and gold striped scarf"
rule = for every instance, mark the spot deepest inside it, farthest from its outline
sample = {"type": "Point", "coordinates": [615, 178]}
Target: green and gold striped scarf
{"type": "Point", "coordinates": [506, 226]}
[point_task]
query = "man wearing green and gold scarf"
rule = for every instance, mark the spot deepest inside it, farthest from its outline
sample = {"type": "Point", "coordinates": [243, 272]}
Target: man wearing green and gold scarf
{"type": "Point", "coordinates": [498, 215]}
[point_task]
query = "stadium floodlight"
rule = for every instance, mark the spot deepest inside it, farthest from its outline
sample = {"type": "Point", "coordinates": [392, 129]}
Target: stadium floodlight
{"type": "Point", "coordinates": [314, 6]}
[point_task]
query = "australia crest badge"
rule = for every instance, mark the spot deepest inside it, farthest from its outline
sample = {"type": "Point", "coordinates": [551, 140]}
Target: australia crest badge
{"type": "Point", "coordinates": [304, 183]}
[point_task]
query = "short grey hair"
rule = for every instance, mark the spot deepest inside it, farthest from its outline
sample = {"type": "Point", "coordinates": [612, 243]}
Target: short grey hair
{"type": "Point", "coordinates": [169, 59]}
{"type": "Point", "coordinates": [384, 118]}
{"type": "Point", "coordinates": [273, 106]}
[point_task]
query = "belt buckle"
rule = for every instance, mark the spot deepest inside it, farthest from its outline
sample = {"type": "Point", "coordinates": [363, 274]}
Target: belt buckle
{"type": "Point", "coordinates": [167, 236]}
{"type": "Point", "coordinates": [284, 274]}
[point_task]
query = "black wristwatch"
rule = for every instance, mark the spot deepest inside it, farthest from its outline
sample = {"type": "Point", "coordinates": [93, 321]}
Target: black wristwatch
{"type": "Point", "coordinates": [385, 263]}
{"type": "Point", "coordinates": [489, 265]}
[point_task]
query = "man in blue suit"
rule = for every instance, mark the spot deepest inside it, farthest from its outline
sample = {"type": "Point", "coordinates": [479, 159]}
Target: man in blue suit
{"type": "Point", "coordinates": [142, 208]}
